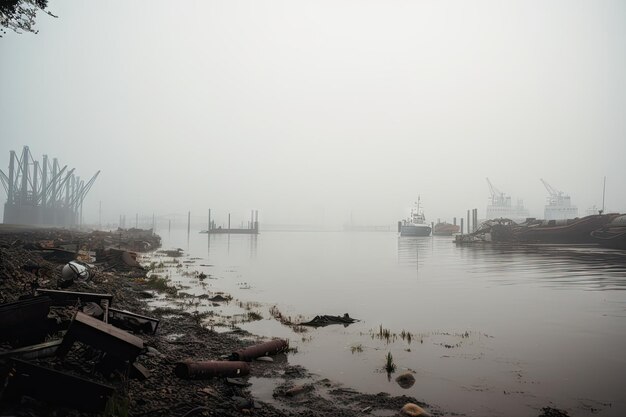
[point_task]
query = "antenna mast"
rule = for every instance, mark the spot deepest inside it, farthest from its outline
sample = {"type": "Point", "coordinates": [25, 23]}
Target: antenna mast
{"type": "Point", "coordinates": [603, 193]}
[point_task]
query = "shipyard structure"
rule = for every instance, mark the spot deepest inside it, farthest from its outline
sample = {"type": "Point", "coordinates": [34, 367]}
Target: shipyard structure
{"type": "Point", "coordinates": [558, 205]}
{"type": "Point", "coordinates": [500, 206]}
{"type": "Point", "coordinates": [43, 193]}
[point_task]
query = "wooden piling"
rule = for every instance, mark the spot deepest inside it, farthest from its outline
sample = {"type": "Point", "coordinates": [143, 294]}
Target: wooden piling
{"type": "Point", "coordinates": [475, 219]}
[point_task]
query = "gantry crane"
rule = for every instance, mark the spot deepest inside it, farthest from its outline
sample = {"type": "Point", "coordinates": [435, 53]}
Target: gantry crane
{"type": "Point", "coordinates": [46, 193]}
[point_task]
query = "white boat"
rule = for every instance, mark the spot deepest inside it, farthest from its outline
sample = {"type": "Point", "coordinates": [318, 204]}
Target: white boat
{"type": "Point", "coordinates": [415, 225]}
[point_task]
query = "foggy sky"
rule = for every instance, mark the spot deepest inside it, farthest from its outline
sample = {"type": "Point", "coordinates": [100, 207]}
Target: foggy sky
{"type": "Point", "coordinates": [308, 111]}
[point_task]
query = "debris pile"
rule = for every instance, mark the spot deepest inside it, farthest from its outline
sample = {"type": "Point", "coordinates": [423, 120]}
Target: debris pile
{"type": "Point", "coordinates": [325, 320]}
{"type": "Point", "coordinates": [584, 230]}
{"type": "Point", "coordinates": [85, 344]}
{"type": "Point", "coordinates": [61, 342]}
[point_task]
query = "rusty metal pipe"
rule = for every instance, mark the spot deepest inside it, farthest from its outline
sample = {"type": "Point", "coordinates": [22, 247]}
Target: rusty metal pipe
{"type": "Point", "coordinates": [264, 349]}
{"type": "Point", "coordinates": [211, 369]}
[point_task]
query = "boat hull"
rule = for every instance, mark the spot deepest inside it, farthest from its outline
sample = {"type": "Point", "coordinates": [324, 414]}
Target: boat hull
{"type": "Point", "coordinates": [574, 231]}
{"type": "Point", "coordinates": [613, 234]}
{"type": "Point", "coordinates": [445, 229]}
{"type": "Point", "coordinates": [414, 230]}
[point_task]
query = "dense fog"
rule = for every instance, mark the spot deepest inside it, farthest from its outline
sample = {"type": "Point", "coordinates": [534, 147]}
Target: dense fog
{"type": "Point", "coordinates": [318, 112]}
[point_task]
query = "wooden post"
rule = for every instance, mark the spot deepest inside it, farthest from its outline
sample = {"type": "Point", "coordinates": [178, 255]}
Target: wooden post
{"type": "Point", "coordinates": [188, 223]}
{"type": "Point", "coordinates": [475, 221]}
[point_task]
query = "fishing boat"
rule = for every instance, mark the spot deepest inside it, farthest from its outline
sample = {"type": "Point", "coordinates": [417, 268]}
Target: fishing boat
{"type": "Point", "coordinates": [415, 225]}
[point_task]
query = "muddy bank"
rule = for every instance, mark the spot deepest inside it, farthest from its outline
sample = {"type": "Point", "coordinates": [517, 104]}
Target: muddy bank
{"type": "Point", "coordinates": [32, 260]}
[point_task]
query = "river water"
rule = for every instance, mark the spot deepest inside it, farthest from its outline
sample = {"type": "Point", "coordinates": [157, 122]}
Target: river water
{"type": "Point", "coordinates": [495, 331]}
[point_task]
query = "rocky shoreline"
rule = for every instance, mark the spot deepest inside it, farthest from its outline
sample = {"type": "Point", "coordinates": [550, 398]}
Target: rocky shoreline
{"type": "Point", "coordinates": [28, 263]}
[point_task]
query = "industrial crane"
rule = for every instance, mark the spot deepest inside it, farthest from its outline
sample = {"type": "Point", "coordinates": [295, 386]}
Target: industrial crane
{"type": "Point", "coordinates": [559, 205]}
{"type": "Point", "coordinates": [48, 194]}
{"type": "Point", "coordinates": [556, 196]}
{"type": "Point", "coordinates": [497, 197]}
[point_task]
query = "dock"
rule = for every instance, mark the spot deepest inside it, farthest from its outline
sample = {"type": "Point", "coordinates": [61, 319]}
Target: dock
{"type": "Point", "coordinates": [251, 229]}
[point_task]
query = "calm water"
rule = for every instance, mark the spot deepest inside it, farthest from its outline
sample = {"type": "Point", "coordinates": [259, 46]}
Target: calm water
{"type": "Point", "coordinates": [495, 331]}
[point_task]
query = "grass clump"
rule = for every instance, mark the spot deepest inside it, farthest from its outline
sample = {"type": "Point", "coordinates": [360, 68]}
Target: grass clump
{"type": "Point", "coordinates": [161, 284]}
{"type": "Point", "coordinates": [358, 348]}
{"type": "Point", "coordinates": [117, 406]}
{"type": "Point", "coordinates": [254, 316]}
{"type": "Point", "coordinates": [390, 366]}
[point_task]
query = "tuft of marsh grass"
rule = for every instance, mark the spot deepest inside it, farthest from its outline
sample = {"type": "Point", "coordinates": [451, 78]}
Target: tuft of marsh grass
{"type": "Point", "coordinates": [390, 366]}
{"type": "Point", "coordinates": [356, 348]}
{"type": "Point", "coordinates": [117, 406]}
{"type": "Point", "coordinates": [159, 283]}
{"type": "Point", "coordinates": [254, 316]}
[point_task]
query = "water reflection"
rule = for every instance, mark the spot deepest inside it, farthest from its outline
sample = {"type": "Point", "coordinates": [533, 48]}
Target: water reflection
{"type": "Point", "coordinates": [411, 250]}
{"type": "Point", "coordinates": [556, 266]}
{"type": "Point", "coordinates": [253, 245]}
{"type": "Point", "coordinates": [524, 336]}
{"type": "Point", "coordinates": [220, 244]}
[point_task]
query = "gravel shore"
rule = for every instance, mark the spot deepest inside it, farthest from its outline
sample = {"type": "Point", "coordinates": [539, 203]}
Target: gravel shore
{"type": "Point", "coordinates": [26, 264]}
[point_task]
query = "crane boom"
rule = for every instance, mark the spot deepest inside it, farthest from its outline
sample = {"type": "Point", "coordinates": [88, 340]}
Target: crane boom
{"type": "Point", "coordinates": [551, 190]}
{"type": "Point", "coordinates": [496, 195]}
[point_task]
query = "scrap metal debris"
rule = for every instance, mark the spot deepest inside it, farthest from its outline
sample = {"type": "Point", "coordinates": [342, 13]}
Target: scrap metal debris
{"type": "Point", "coordinates": [55, 387]}
{"type": "Point", "coordinates": [319, 321]}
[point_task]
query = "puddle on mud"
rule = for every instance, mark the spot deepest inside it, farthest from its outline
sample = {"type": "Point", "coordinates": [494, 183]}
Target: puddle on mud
{"type": "Point", "coordinates": [262, 389]}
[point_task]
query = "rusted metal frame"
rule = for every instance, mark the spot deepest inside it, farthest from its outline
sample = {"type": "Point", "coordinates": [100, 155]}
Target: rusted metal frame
{"type": "Point", "coordinates": [40, 350]}
{"type": "Point", "coordinates": [71, 297]}
{"type": "Point", "coordinates": [54, 387]}
{"type": "Point", "coordinates": [132, 321]}
{"type": "Point", "coordinates": [102, 336]}
{"type": "Point", "coordinates": [24, 312]}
